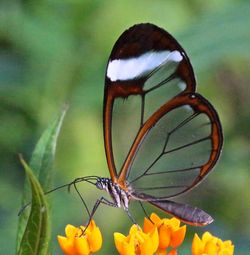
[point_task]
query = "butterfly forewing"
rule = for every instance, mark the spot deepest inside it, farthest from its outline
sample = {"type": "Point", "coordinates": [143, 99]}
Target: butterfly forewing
{"type": "Point", "coordinates": [147, 67]}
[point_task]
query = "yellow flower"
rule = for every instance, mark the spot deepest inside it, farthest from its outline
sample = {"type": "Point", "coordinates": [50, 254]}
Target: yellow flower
{"type": "Point", "coordinates": [211, 245]}
{"type": "Point", "coordinates": [137, 242]}
{"type": "Point", "coordinates": [169, 230]}
{"type": "Point", "coordinates": [77, 244]}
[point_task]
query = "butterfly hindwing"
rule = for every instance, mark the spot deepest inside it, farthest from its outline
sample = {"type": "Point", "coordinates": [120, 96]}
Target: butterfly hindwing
{"type": "Point", "coordinates": [175, 149]}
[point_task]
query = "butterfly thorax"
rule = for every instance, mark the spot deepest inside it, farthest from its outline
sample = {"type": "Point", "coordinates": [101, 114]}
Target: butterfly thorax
{"type": "Point", "coordinates": [119, 196]}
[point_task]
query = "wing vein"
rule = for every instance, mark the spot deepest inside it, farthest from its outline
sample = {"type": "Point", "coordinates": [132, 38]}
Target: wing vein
{"type": "Point", "coordinates": [184, 122]}
{"type": "Point", "coordinates": [168, 79]}
{"type": "Point", "coordinates": [176, 170]}
{"type": "Point", "coordinates": [188, 144]}
{"type": "Point", "coordinates": [141, 175]}
{"type": "Point", "coordinates": [142, 109]}
{"type": "Point", "coordinates": [181, 124]}
{"type": "Point", "coordinates": [162, 187]}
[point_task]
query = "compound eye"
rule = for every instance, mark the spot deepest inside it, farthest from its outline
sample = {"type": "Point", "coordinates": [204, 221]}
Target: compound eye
{"type": "Point", "coordinates": [99, 185]}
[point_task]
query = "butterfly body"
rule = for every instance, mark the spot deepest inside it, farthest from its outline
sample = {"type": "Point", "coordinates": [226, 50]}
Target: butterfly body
{"type": "Point", "coordinates": [121, 199]}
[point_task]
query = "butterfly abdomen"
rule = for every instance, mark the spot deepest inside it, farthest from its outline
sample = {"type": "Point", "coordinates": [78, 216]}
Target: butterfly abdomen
{"type": "Point", "coordinates": [186, 213]}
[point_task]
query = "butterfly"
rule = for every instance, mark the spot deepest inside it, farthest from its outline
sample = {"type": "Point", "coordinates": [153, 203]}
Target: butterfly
{"type": "Point", "coordinates": [161, 137]}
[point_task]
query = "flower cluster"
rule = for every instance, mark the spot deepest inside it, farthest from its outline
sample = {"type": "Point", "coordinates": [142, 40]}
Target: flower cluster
{"type": "Point", "coordinates": [137, 242]}
{"type": "Point", "coordinates": [79, 241]}
{"type": "Point", "coordinates": [158, 237]}
{"type": "Point", "coordinates": [211, 245]}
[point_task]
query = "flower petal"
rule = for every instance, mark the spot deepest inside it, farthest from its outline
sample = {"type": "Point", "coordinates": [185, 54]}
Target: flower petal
{"type": "Point", "coordinates": [197, 245]}
{"type": "Point", "coordinates": [67, 245]}
{"type": "Point", "coordinates": [128, 248]}
{"type": "Point", "coordinates": [178, 236]}
{"type": "Point", "coordinates": [146, 248]}
{"type": "Point", "coordinates": [155, 239]}
{"type": "Point", "coordinates": [206, 237]}
{"type": "Point", "coordinates": [211, 248]}
{"type": "Point", "coordinates": [164, 236]}
{"type": "Point", "coordinates": [174, 222]}
{"type": "Point", "coordinates": [70, 231]}
{"type": "Point", "coordinates": [149, 242]}
{"type": "Point", "coordinates": [119, 240]}
{"type": "Point", "coordinates": [95, 240]}
{"type": "Point", "coordinates": [82, 246]}
{"type": "Point", "coordinates": [134, 229]}
{"type": "Point", "coordinates": [148, 225]}
{"type": "Point", "coordinates": [156, 219]}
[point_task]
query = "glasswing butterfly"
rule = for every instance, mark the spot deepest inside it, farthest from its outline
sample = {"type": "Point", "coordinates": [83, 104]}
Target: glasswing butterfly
{"type": "Point", "coordinates": [168, 136]}
{"type": "Point", "coordinates": [161, 137]}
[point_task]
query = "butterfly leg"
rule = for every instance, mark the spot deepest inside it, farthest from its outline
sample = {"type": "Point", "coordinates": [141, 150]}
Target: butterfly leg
{"type": "Point", "coordinates": [144, 210]}
{"type": "Point", "coordinates": [131, 217]}
{"type": "Point", "coordinates": [101, 200]}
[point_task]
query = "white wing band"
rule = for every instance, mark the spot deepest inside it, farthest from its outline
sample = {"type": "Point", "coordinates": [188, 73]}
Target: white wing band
{"type": "Point", "coordinates": [127, 69]}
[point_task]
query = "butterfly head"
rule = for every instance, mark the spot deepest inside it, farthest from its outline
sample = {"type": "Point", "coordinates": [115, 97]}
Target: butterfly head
{"type": "Point", "coordinates": [102, 183]}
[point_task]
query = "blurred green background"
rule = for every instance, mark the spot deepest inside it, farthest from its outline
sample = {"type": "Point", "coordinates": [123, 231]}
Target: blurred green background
{"type": "Point", "coordinates": [53, 52]}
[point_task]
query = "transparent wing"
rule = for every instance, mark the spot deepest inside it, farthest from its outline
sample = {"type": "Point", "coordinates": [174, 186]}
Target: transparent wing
{"type": "Point", "coordinates": [175, 149]}
{"type": "Point", "coordinates": [147, 68]}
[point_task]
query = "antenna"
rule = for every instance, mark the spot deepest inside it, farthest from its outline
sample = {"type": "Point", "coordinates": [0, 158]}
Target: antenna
{"type": "Point", "coordinates": [90, 179]}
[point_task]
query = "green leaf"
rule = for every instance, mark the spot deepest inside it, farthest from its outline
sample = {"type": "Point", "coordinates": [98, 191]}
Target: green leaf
{"type": "Point", "coordinates": [36, 238]}
{"type": "Point", "coordinates": [42, 163]}
{"type": "Point", "coordinates": [44, 153]}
